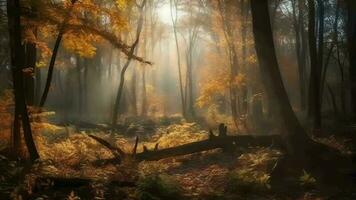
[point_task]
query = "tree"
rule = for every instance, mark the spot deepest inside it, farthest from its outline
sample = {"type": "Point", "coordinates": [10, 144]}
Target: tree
{"type": "Point", "coordinates": [18, 65]}
{"type": "Point", "coordinates": [301, 48]}
{"type": "Point", "coordinates": [54, 54]}
{"type": "Point", "coordinates": [233, 59]}
{"type": "Point", "coordinates": [127, 64]}
{"type": "Point", "coordinates": [174, 17]}
{"type": "Point", "coordinates": [351, 35]}
{"type": "Point", "coordinates": [315, 64]}
{"type": "Point", "coordinates": [265, 49]}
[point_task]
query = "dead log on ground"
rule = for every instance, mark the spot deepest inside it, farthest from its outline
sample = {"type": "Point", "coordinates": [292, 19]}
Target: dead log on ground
{"type": "Point", "coordinates": [222, 141]}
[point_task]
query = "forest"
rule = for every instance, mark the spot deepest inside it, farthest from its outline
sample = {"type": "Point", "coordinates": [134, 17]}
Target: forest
{"type": "Point", "coordinates": [178, 99]}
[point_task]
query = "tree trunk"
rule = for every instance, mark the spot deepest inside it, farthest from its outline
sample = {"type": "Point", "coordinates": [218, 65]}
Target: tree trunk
{"type": "Point", "coordinates": [54, 56]}
{"type": "Point", "coordinates": [80, 85]}
{"type": "Point", "coordinates": [298, 22]}
{"type": "Point", "coordinates": [314, 86]}
{"type": "Point", "coordinates": [144, 104]}
{"type": "Point", "coordinates": [123, 70]}
{"type": "Point", "coordinates": [38, 75]}
{"type": "Point", "coordinates": [351, 35]}
{"type": "Point", "coordinates": [244, 89]}
{"type": "Point", "coordinates": [133, 92]}
{"type": "Point", "coordinates": [295, 135]}
{"type": "Point", "coordinates": [233, 61]}
{"type": "Point", "coordinates": [18, 64]}
{"type": "Point", "coordinates": [174, 16]}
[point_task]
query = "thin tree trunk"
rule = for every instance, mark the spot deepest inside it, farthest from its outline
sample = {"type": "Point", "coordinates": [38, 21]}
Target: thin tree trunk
{"type": "Point", "coordinates": [244, 89]}
{"type": "Point", "coordinates": [298, 22]}
{"type": "Point", "coordinates": [38, 75]}
{"type": "Point", "coordinates": [351, 35]}
{"type": "Point", "coordinates": [174, 17]}
{"type": "Point", "coordinates": [80, 85]}
{"type": "Point", "coordinates": [123, 70]}
{"type": "Point", "coordinates": [233, 64]}
{"type": "Point", "coordinates": [144, 104]}
{"type": "Point", "coordinates": [314, 90]}
{"type": "Point", "coordinates": [133, 91]}
{"type": "Point", "coordinates": [54, 55]}
{"type": "Point", "coordinates": [334, 43]}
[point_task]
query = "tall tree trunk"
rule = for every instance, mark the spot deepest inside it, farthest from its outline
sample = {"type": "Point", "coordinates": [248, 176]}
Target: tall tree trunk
{"type": "Point", "coordinates": [127, 64]}
{"type": "Point", "coordinates": [144, 104]}
{"type": "Point", "coordinates": [314, 86]}
{"type": "Point", "coordinates": [54, 55]}
{"type": "Point", "coordinates": [133, 91]}
{"type": "Point", "coordinates": [265, 49]}
{"type": "Point", "coordinates": [38, 74]}
{"type": "Point", "coordinates": [174, 17]}
{"type": "Point", "coordinates": [301, 46]}
{"type": "Point", "coordinates": [191, 109]}
{"type": "Point", "coordinates": [233, 61]}
{"type": "Point", "coordinates": [80, 84]}
{"type": "Point", "coordinates": [351, 35]}
{"type": "Point", "coordinates": [18, 64]}
{"type": "Point", "coordinates": [144, 93]}
{"type": "Point", "coordinates": [244, 89]}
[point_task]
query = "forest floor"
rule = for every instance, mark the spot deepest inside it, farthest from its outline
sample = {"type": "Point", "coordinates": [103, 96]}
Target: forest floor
{"type": "Point", "coordinates": [69, 153]}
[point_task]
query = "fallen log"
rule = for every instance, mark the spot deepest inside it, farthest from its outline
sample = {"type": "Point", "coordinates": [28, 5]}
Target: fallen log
{"type": "Point", "coordinates": [226, 143]}
{"type": "Point", "coordinates": [222, 141]}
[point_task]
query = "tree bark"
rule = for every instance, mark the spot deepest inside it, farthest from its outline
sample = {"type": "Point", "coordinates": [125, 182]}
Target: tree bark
{"type": "Point", "coordinates": [265, 49]}
{"type": "Point", "coordinates": [301, 46]}
{"type": "Point", "coordinates": [314, 85]}
{"type": "Point", "coordinates": [54, 55]}
{"type": "Point", "coordinates": [18, 64]}
{"type": "Point", "coordinates": [351, 35]}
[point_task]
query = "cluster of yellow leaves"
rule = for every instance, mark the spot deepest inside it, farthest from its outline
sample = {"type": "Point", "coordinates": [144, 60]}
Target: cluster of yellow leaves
{"type": "Point", "coordinates": [182, 134]}
{"type": "Point", "coordinates": [176, 134]}
{"type": "Point", "coordinates": [43, 29]}
{"type": "Point", "coordinates": [81, 43]}
{"type": "Point", "coordinates": [210, 89]}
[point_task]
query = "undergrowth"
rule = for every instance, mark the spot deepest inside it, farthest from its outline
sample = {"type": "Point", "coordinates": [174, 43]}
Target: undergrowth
{"type": "Point", "coordinates": [159, 187]}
